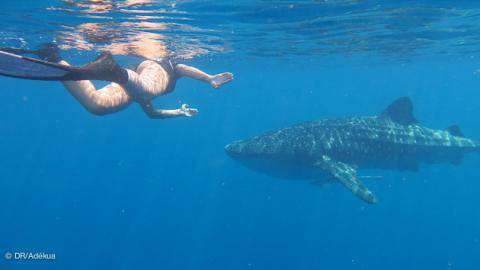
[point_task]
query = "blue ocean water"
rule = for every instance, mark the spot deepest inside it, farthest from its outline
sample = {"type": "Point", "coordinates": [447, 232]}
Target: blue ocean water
{"type": "Point", "coordinates": [127, 192]}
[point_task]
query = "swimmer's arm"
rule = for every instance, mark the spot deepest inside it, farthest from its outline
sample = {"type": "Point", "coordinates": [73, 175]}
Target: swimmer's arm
{"type": "Point", "coordinates": [192, 72]}
{"type": "Point", "coordinates": [153, 113]}
{"type": "Point", "coordinates": [215, 81]}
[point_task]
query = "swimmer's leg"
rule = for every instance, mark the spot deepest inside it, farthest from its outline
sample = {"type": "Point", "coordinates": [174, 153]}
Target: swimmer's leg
{"type": "Point", "coordinates": [215, 81]}
{"type": "Point", "coordinates": [184, 110]}
{"type": "Point", "coordinates": [103, 68]}
{"type": "Point", "coordinates": [112, 98]}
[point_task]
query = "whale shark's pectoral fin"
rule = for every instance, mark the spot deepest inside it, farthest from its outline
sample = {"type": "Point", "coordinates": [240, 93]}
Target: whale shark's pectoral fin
{"type": "Point", "coordinates": [347, 175]}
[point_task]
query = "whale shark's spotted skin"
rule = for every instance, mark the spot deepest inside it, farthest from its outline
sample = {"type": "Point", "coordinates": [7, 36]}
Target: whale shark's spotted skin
{"type": "Point", "coordinates": [392, 140]}
{"type": "Point", "coordinates": [354, 139]}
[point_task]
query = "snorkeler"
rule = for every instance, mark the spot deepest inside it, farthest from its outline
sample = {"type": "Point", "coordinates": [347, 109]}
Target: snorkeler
{"type": "Point", "coordinates": [151, 79]}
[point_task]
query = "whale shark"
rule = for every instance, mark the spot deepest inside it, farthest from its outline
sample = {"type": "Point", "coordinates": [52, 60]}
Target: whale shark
{"type": "Point", "coordinates": [333, 150]}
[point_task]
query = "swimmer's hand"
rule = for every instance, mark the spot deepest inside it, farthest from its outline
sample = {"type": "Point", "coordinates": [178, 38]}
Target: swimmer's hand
{"type": "Point", "coordinates": [187, 111]}
{"type": "Point", "coordinates": [220, 79]}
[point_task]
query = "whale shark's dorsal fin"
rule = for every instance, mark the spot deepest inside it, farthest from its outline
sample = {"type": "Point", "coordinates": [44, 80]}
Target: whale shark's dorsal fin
{"type": "Point", "coordinates": [347, 175]}
{"type": "Point", "coordinates": [400, 112]}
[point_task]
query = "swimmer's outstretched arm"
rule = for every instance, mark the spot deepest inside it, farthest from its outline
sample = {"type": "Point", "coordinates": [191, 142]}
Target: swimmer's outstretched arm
{"type": "Point", "coordinates": [215, 81]}
{"type": "Point", "coordinates": [184, 110]}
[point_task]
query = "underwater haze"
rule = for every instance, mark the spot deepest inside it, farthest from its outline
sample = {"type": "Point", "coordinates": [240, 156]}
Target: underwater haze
{"type": "Point", "coordinates": [123, 191]}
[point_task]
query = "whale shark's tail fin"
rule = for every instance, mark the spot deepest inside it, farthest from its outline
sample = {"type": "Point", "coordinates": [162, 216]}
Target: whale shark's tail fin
{"type": "Point", "coordinates": [18, 66]}
{"type": "Point", "coordinates": [455, 131]}
{"type": "Point", "coordinates": [347, 175]}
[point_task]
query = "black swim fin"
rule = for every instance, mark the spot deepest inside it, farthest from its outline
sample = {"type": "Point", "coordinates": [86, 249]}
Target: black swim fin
{"type": "Point", "coordinates": [48, 52]}
{"type": "Point", "coordinates": [16, 50]}
{"type": "Point", "coordinates": [103, 68]}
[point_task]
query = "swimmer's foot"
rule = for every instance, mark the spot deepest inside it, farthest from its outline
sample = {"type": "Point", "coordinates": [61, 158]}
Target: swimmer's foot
{"type": "Point", "coordinates": [104, 68]}
{"type": "Point", "coordinates": [49, 68]}
{"type": "Point", "coordinates": [220, 79]}
{"type": "Point", "coordinates": [187, 111]}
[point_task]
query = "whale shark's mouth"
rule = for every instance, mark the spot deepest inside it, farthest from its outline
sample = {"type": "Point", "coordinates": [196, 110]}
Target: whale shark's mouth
{"type": "Point", "coordinates": [277, 167]}
{"type": "Point", "coordinates": [229, 148]}
{"type": "Point", "coordinates": [236, 149]}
